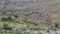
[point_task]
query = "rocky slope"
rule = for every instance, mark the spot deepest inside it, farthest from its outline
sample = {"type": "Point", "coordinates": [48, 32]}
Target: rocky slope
{"type": "Point", "coordinates": [38, 11]}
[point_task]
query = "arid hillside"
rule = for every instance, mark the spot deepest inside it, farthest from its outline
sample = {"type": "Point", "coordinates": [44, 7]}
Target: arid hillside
{"type": "Point", "coordinates": [33, 11]}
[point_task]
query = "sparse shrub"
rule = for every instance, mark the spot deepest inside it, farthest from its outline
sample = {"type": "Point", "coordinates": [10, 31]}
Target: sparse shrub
{"type": "Point", "coordinates": [15, 16]}
{"type": "Point", "coordinates": [9, 18]}
{"type": "Point", "coordinates": [34, 23]}
{"type": "Point", "coordinates": [35, 28]}
{"type": "Point", "coordinates": [7, 27]}
{"type": "Point", "coordinates": [48, 31]}
{"type": "Point", "coordinates": [6, 19]}
{"type": "Point", "coordinates": [41, 33]}
{"type": "Point", "coordinates": [56, 25]}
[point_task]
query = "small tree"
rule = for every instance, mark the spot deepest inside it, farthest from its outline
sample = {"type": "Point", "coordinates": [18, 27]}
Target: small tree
{"type": "Point", "coordinates": [48, 31]}
{"type": "Point", "coordinates": [7, 27]}
{"type": "Point", "coordinates": [9, 18]}
{"type": "Point", "coordinates": [16, 16]}
{"type": "Point", "coordinates": [56, 25]}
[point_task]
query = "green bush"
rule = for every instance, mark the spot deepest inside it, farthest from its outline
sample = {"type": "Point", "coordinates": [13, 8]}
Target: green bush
{"type": "Point", "coordinates": [41, 33]}
{"type": "Point", "coordinates": [15, 16]}
{"type": "Point", "coordinates": [48, 31]}
{"type": "Point", "coordinates": [56, 25]}
{"type": "Point", "coordinates": [6, 19]}
{"type": "Point", "coordinates": [7, 27]}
